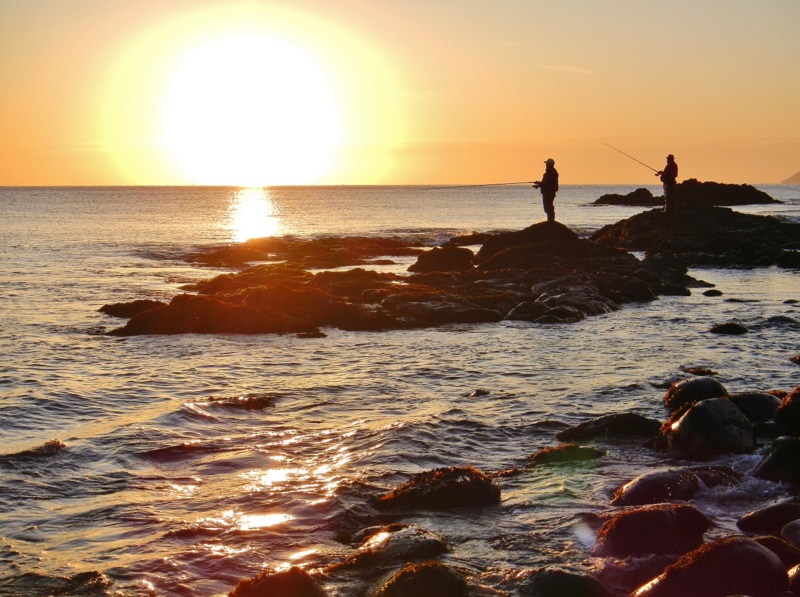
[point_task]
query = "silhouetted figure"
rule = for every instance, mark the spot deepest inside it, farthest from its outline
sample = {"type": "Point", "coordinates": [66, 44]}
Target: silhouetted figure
{"type": "Point", "coordinates": [548, 187]}
{"type": "Point", "coordinates": [669, 178]}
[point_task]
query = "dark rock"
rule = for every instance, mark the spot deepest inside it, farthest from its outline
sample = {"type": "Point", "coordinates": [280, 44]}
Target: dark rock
{"type": "Point", "coordinates": [789, 554]}
{"type": "Point", "coordinates": [730, 328]}
{"type": "Point", "coordinates": [729, 566]}
{"type": "Point", "coordinates": [781, 462]}
{"type": "Point", "coordinates": [564, 453]}
{"type": "Point", "coordinates": [677, 484]}
{"type": "Point", "coordinates": [791, 533]}
{"type": "Point", "coordinates": [128, 310]}
{"type": "Point", "coordinates": [709, 428]}
{"type": "Point", "coordinates": [661, 529]}
{"type": "Point", "coordinates": [756, 406]}
{"type": "Point", "coordinates": [699, 371]}
{"type": "Point", "coordinates": [548, 582]}
{"type": "Point", "coordinates": [294, 582]}
{"type": "Point", "coordinates": [770, 519]}
{"type": "Point", "coordinates": [444, 488]}
{"type": "Point", "coordinates": [713, 292]}
{"type": "Point", "coordinates": [788, 411]}
{"type": "Point", "coordinates": [694, 192]}
{"type": "Point", "coordinates": [690, 391]}
{"type": "Point", "coordinates": [395, 543]}
{"type": "Point", "coordinates": [443, 259]}
{"type": "Point", "coordinates": [795, 359]}
{"type": "Point", "coordinates": [428, 579]}
{"type": "Point", "coordinates": [640, 198]}
{"type": "Point", "coordinates": [621, 425]}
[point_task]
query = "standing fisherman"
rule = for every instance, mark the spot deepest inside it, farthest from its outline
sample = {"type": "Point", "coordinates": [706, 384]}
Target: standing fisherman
{"type": "Point", "coordinates": [548, 187]}
{"type": "Point", "coordinates": [669, 178]}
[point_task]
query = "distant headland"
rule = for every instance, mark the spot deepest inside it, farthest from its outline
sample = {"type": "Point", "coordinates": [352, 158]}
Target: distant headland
{"type": "Point", "coordinates": [795, 179]}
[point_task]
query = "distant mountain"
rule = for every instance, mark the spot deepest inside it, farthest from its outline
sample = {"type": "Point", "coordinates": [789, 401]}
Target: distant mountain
{"type": "Point", "coordinates": [792, 179]}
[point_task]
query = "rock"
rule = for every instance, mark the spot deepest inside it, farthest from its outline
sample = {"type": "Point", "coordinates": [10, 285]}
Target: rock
{"type": "Point", "coordinates": [564, 453]}
{"type": "Point", "coordinates": [444, 488]}
{"type": "Point", "coordinates": [788, 411]}
{"type": "Point", "coordinates": [781, 462]}
{"type": "Point", "coordinates": [443, 259]}
{"type": "Point", "coordinates": [613, 426]}
{"type": "Point", "coordinates": [770, 519]}
{"type": "Point", "coordinates": [548, 582]}
{"type": "Point", "coordinates": [128, 310]}
{"type": "Point", "coordinates": [677, 484]}
{"type": "Point", "coordinates": [791, 533]}
{"type": "Point", "coordinates": [694, 192]}
{"type": "Point", "coordinates": [428, 579]}
{"type": "Point", "coordinates": [709, 428]}
{"type": "Point", "coordinates": [725, 567]}
{"type": "Point", "coordinates": [294, 582]}
{"type": "Point", "coordinates": [795, 359]}
{"type": "Point", "coordinates": [712, 292]}
{"type": "Point", "coordinates": [640, 198]}
{"type": "Point", "coordinates": [395, 543]}
{"type": "Point", "coordinates": [730, 328]}
{"type": "Point", "coordinates": [789, 554]}
{"type": "Point", "coordinates": [756, 406]}
{"type": "Point", "coordinates": [661, 529]}
{"type": "Point", "coordinates": [690, 391]}
{"type": "Point", "coordinates": [794, 579]}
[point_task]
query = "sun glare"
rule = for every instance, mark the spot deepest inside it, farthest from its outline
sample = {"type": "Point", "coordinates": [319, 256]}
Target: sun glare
{"type": "Point", "coordinates": [251, 214]}
{"type": "Point", "coordinates": [250, 110]}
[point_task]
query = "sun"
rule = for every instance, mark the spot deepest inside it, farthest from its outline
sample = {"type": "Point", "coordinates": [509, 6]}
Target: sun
{"type": "Point", "coordinates": [250, 110]}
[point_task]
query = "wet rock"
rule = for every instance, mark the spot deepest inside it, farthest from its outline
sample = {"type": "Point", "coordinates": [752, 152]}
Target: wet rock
{"type": "Point", "coordinates": [789, 554]}
{"type": "Point", "coordinates": [712, 292]}
{"type": "Point", "coordinates": [564, 453]}
{"type": "Point", "coordinates": [781, 461]}
{"type": "Point", "coordinates": [677, 484]}
{"type": "Point", "coordinates": [128, 310]}
{"type": "Point", "coordinates": [795, 359]}
{"type": "Point", "coordinates": [294, 582]}
{"type": "Point", "coordinates": [791, 533]}
{"type": "Point", "coordinates": [395, 543]}
{"type": "Point", "coordinates": [730, 328]}
{"type": "Point", "coordinates": [661, 529]}
{"type": "Point", "coordinates": [427, 579]}
{"type": "Point", "coordinates": [699, 371]}
{"type": "Point", "coordinates": [613, 426]}
{"type": "Point", "coordinates": [548, 582]}
{"type": "Point", "coordinates": [788, 411]}
{"type": "Point", "coordinates": [770, 519]}
{"type": "Point", "coordinates": [729, 566]}
{"type": "Point", "coordinates": [756, 406]}
{"type": "Point", "coordinates": [689, 391]}
{"type": "Point", "coordinates": [709, 428]}
{"type": "Point", "coordinates": [794, 579]}
{"type": "Point", "coordinates": [443, 259]}
{"type": "Point", "coordinates": [444, 488]}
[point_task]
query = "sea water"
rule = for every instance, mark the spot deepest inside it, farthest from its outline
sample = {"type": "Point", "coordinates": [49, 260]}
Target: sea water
{"type": "Point", "coordinates": [126, 468]}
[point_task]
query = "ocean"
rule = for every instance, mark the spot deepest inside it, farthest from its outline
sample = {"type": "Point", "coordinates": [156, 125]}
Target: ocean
{"type": "Point", "coordinates": [126, 467]}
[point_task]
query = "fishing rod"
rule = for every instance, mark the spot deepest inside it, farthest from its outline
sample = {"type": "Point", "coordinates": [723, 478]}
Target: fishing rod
{"type": "Point", "coordinates": [466, 186]}
{"type": "Point", "coordinates": [629, 156]}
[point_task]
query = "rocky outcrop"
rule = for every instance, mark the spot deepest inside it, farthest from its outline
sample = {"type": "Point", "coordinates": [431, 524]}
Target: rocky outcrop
{"type": "Point", "coordinates": [694, 192]}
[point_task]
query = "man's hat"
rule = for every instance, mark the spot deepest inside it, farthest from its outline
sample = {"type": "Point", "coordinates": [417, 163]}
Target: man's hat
{"type": "Point", "coordinates": [670, 157]}
{"type": "Point", "coordinates": [550, 162]}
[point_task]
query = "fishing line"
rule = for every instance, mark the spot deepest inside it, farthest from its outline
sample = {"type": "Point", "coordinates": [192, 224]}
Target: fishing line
{"type": "Point", "coordinates": [467, 186]}
{"type": "Point", "coordinates": [628, 156]}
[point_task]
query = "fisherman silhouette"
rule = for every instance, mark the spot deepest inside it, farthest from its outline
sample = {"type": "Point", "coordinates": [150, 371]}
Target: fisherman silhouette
{"type": "Point", "coordinates": [548, 187]}
{"type": "Point", "coordinates": [669, 179]}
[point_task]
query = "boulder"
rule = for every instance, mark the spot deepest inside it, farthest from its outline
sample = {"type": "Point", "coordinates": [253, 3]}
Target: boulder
{"type": "Point", "coordinates": [640, 198]}
{"type": "Point", "coordinates": [789, 554]}
{"type": "Point", "coordinates": [709, 428]}
{"type": "Point", "coordinates": [788, 411]}
{"type": "Point", "coordinates": [758, 407]}
{"type": "Point", "coordinates": [564, 453]}
{"type": "Point", "coordinates": [444, 488]}
{"type": "Point", "coordinates": [689, 391]}
{"type": "Point", "coordinates": [781, 461]}
{"type": "Point", "coordinates": [676, 484]}
{"type": "Point", "coordinates": [725, 567]}
{"type": "Point", "coordinates": [427, 579]}
{"type": "Point", "coordinates": [660, 529]}
{"type": "Point", "coordinates": [395, 543]}
{"type": "Point", "coordinates": [730, 328]}
{"type": "Point", "coordinates": [294, 582]}
{"type": "Point", "coordinates": [550, 582]}
{"type": "Point", "coordinates": [613, 426]}
{"type": "Point", "coordinates": [443, 259]}
{"type": "Point", "coordinates": [769, 520]}
{"type": "Point", "coordinates": [791, 533]}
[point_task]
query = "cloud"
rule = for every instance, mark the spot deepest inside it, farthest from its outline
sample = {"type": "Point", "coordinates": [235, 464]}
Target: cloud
{"type": "Point", "coordinates": [563, 68]}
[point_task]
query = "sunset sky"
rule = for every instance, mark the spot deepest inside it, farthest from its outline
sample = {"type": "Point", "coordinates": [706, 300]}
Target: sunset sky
{"type": "Point", "coordinates": [260, 92]}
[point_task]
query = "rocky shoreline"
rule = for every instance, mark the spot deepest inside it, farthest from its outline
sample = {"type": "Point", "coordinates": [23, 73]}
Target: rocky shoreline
{"type": "Point", "coordinates": [545, 273]}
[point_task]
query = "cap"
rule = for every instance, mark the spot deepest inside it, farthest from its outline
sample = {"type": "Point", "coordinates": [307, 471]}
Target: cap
{"type": "Point", "coordinates": [550, 162]}
{"type": "Point", "coordinates": [670, 157]}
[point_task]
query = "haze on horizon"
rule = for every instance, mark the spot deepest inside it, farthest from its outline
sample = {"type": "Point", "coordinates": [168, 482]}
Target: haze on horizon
{"type": "Point", "coordinates": [260, 92]}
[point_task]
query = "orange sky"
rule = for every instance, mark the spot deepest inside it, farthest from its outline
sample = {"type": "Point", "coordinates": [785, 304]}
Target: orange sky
{"type": "Point", "coordinates": [250, 92]}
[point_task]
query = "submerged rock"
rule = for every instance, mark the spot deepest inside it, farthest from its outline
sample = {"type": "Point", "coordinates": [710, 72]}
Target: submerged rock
{"type": "Point", "coordinates": [564, 453]}
{"type": "Point", "coordinates": [549, 582]}
{"type": "Point", "coordinates": [395, 543]}
{"type": "Point", "coordinates": [294, 582]}
{"type": "Point", "coordinates": [614, 426]}
{"type": "Point", "coordinates": [730, 328]}
{"type": "Point", "coordinates": [677, 484]}
{"type": "Point", "coordinates": [444, 488]}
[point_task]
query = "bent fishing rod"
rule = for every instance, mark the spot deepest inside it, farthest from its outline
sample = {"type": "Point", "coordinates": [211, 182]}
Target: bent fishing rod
{"type": "Point", "coordinates": [629, 156]}
{"type": "Point", "coordinates": [467, 186]}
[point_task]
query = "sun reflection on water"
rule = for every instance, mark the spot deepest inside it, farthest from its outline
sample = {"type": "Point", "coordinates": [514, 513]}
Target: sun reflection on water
{"type": "Point", "coordinates": [252, 214]}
